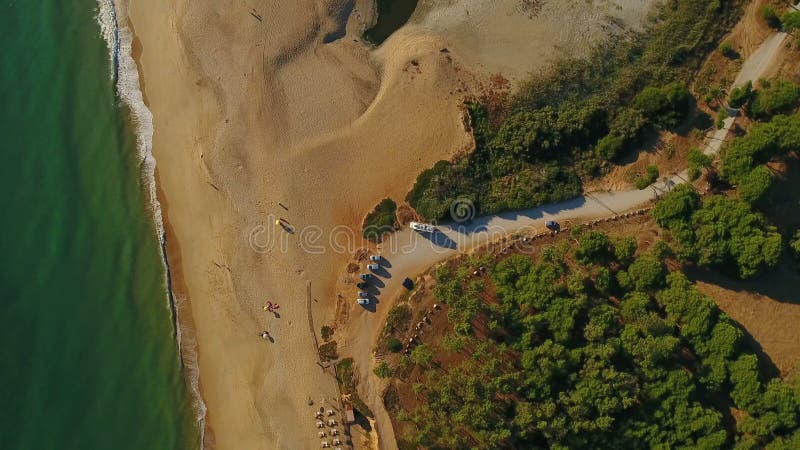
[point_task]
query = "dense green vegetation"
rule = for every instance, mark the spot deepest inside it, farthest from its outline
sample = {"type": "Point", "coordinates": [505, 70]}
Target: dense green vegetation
{"type": "Point", "coordinates": [381, 220]}
{"type": "Point", "coordinates": [774, 97]}
{"type": "Point", "coordinates": [649, 177]}
{"type": "Point", "coordinates": [791, 21]}
{"type": "Point", "coordinates": [794, 244]}
{"type": "Point", "coordinates": [611, 353]}
{"type": "Point", "coordinates": [740, 95]}
{"type": "Point", "coordinates": [697, 161]}
{"type": "Point", "coordinates": [719, 231]}
{"type": "Point", "coordinates": [581, 115]}
{"type": "Point", "coordinates": [744, 158]}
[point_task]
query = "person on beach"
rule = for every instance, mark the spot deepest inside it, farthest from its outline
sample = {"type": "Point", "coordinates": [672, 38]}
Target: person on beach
{"type": "Point", "coordinates": [265, 334]}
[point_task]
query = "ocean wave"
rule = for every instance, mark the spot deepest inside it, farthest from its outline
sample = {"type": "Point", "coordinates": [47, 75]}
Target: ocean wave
{"type": "Point", "coordinates": [112, 18]}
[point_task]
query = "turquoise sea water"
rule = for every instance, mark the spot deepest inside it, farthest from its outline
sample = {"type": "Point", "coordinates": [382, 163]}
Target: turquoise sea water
{"type": "Point", "coordinates": [89, 357]}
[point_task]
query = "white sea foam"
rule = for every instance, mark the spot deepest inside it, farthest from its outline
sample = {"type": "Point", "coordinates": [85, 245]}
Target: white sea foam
{"type": "Point", "coordinates": [112, 17]}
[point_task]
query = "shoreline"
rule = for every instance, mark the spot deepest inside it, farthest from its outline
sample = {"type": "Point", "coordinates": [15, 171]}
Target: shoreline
{"type": "Point", "coordinates": [183, 322]}
{"type": "Point", "coordinates": [129, 83]}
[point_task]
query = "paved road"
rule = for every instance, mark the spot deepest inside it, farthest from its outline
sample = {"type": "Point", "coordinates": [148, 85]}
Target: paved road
{"type": "Point", "coordinates": [408, 253]}
{"type": "Point", "coordinates": [757, 64]}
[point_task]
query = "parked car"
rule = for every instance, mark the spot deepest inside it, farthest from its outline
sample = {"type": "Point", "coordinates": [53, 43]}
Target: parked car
{"type": "Point", "coordinates": [362, 301]}
{"type": "Point", "coordinates": [366, 276]}
{"type": "Point", "coordinates": [376, 258]}
{"type": "Point", "coordinates": [423, 227]}
{"type": "Point", "coordinates": [362, 285]}
{"type": "Point", "coordinates": [362, 294]}
{"type": "Point", "coordinates": [552, 225]}
{"type": "Point", "coordinates": [408, 284]}
{"type": "Point", "coordinates": [373, 267]}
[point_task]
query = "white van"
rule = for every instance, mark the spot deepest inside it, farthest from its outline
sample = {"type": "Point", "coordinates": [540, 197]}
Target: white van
{"type": "Point", "coordinates": [423, 227]}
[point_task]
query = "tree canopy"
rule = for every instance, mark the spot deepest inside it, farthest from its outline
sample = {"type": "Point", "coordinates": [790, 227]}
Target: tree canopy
{"type": "Point", "coordinates": [721, 231]}
{"type": "Point", "coordinates": [571, 121]}
{"type": "Point", "coordinates": [777, 96]}
{"type": "Point", "coordinates": [569, 364]}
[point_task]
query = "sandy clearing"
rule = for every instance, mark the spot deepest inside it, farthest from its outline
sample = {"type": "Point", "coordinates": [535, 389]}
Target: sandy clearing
{"type": "Point", "coordinates": [506, 36]}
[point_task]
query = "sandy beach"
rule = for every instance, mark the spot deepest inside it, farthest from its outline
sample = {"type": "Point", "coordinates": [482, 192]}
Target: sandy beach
{"type": "Point", "coordinates": [258, 105]}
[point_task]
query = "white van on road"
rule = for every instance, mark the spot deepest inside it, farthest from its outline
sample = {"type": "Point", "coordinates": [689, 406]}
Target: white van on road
{"type": "Point", "coordinates": [423, 227]}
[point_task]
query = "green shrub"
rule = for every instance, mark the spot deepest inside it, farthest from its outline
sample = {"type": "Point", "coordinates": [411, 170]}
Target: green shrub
{"type": "Point", "coordinates": [326, 332]}
{"type": "Point", "coordinates": [677, 206]}
{"type": "Point", "coordinates": [726, 48]}
{"type": "Point", "coordinates": [697, 162]}
{"type": "Point", "coordinates": [394, 345]}
{"type": "Point", "coordinates": [328, 352]}
{"type": "Point", "coordinates": [590, 167]}
{"type": "Point", "coordinates": [771, 17]}
{"type": "Point", "coordinates": [739, 96]}
{"type": "Point", "coordinates": [753, 186]}
{"type": "Point", "coordinates": [779, 97]}
{"type": "Point", "coordinates": [629, 124]}
{"type": "Point", "coordinates": [383, 370]}
{"type": "Point", "coordinates": [667, 105]}
{"type": "Point", "coordinates": [592, 246]}
{"type": "Point", "coordinates": [647, 273]}
{"type": "Point", "coordinates": [794, 244]}
{"type": "Point", "coordinates": [610, 147]}
{"type": "Point", "coordinates": [382, 220]}
{"type": "Point", "coordinates": [727, 232]}
{"type": "Point", "coordinates": [722, 115]}
{"type": "Point", "coordinates": [624, 249]}
{"type": "Point", "coordinates": [650, 177]}
{"type": "Point", "coordinates": [763, 142]}
{"type": "Point", "coordinates": [744, 153]}
{"type": "Point", "coordinates": [429, 196]}
{"type": "Point", "coordinates": [422, 355]}
{"type": "Point", "coordinates": [604, 281]}
{"type": "Point", "coordinates": [791, 21]}
{"type": "Point", "coordinates": [398, 318]}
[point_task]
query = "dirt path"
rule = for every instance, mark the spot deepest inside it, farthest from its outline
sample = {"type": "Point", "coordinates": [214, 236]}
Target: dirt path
{"type": "Point", "coordinates": [408, 253]}
{"type": "Point", "coordinates": [759, 62]}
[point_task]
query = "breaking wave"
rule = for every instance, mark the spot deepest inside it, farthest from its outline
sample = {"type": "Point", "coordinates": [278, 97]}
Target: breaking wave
{"type": "Point", "coordinates": [112, 17]}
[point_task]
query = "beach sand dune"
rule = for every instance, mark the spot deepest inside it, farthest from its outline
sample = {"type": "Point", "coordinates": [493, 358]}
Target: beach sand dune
{"type": "Point", "coordinates": [515, 37]}
{"type": "Point", "coordinates": [267, 102]}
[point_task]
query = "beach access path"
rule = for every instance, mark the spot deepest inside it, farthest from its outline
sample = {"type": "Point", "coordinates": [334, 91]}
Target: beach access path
{"type": "Point", "coordinates": [408, 253]}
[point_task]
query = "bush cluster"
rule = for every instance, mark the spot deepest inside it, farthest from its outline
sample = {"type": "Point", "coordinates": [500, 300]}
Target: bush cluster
{"type": "Point", "coordinates": [581, 115]}
{"type": "Point", "coordinates": [743, 158]}
{"type": "Point", "coordinates": [719, 231]}
{"type": "Point", "coordinates": [382, 220]}
{"type": "Point", "coordinates": [566, 366]}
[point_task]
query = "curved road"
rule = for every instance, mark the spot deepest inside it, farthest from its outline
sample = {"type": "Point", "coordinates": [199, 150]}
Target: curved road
{"type": "Point", "coordinates": [408, 253]}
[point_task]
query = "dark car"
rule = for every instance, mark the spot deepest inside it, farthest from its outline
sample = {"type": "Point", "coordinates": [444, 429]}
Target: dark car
{"type": "Point", "coordinates": [552, 225]}
{"type": "Point", "coordinates": [408, 284]}
{"type": "Point", "coordinates": [362, 285]}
